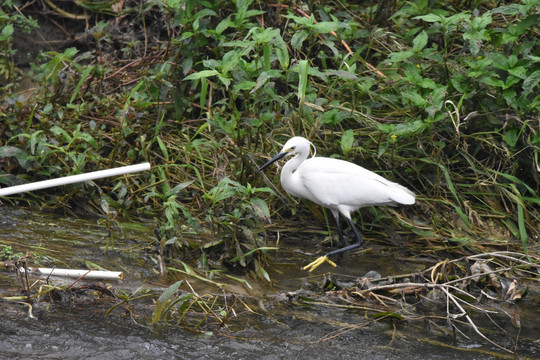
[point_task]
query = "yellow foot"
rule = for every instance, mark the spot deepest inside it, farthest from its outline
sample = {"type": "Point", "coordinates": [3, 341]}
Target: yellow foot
{"type": "Point", "coordinates": [318, 262]}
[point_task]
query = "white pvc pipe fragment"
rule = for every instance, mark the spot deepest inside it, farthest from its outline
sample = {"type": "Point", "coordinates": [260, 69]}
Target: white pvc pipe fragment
{"type": "Point", "coordinates": [73, 179]}
{"type": "Point", "coordinates": [71, 273]}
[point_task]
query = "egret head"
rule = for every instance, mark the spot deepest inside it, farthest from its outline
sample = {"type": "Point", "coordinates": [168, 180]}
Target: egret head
{"type": "Point", "coordinates": [298, 145]}
{"type": "Point", "coordinates": [294, 146]}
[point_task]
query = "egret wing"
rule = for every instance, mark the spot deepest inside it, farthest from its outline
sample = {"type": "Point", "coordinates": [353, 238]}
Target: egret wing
{"type": "Point", "coordinates": [334, 182]}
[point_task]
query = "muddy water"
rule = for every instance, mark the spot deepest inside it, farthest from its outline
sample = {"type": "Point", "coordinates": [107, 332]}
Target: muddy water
{"type": "Point", "coordinates": [279, 327]}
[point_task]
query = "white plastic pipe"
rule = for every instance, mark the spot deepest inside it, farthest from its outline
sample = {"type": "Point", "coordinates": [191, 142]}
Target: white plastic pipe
{"type": "Point", "coordinates": [71, 273]}
{"type": "Point", "coordinates": [74, 179]}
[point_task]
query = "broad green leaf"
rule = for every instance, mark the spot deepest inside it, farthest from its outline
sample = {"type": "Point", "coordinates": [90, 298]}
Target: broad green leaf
{"type": "Point", "coordinates": [260, 207]}
{"type": "Point", "coordinates": [334, 116]}
{"type": "Point", "coordinates": [308, 22]}
{"type": "Point", "coordinates": [341, 73]}
{"type": "Point", "coordinates": [165, 301]}
{"type": "Point", "coordinates": [298, 39]}
{"type": "Point", "coordinates": [264, 77]}
{"type": "Point", "coordinates": [492, 81]}
{"type": "Point", "coordinates": [409, 128]}
{"type": "Point", "coordinates": [430, 18]}
{"type": "Point", "coordinates": [347, 141]}
{"type": "Point", "coordinates": [205, 12]}
{"type": "Point", "coordinates": [230, 59]}
{"type": "Point", "coordinates": [251, 13]}
{"type": "Point", "coordinates": [7, 31]}
{"type": "Point", "coordinates": [224, 80]}
{"type": "Point", "coordinates": [12, 151]}
{"type": "Point", "coordinates": [56, 130]}
{"type": "Point", "coordinates": [225, 189]}
{"type": "Point", "coordinates": [415, 98]}
{"type": "Point", "coordinates": [530, 83]}
{"type": "Point", "coordinates": [420, 41]}
{"type": "Point", "coordinates": [201, 74]}
{"type": "Point", "coordinates": [427, 83]}
{"type": "Point", "coordinates": [282, 51]}
{"type": "Point", "coordinates": [386, 128]}
{"type": "Point", "coordinates": [480, 22]}
{"type": "Point", "coordinates": [168, 293]}
{"type": "Point", "coordinates": [365, 84]}
{"type": "Point", "coordinates": [241, 6]}
{"type": "Point", "coordinates": [510, 96]}
{"type": "Point", "coordinates": [519, 71]}
{"type": "Point", "coordinates": [244, 85]}
{"type": "Point", "coordinates": [328, 26]}
{"type": "Point", "coordinates": [265, 36]}
{"type": "Point", "coordinates": [512, 9]}
{"type": "Point", "coordinates": [69, 53]}
{"type": "Point", "coordinates": [35, 139]}
{"type": "Point", "coordinates": [511, 137]}
{"type": "Point", "coordinates": [511, 81]}
{"type": "Point", "coordinates": [399, 56]}
{"type": "Point", "coordinates": [530, 22]}
{"type": "Point", "coordinates": [224, 25]}
{"type": "Point", "coordinates": [47, 109]}
{"type": "Point", "coordinates": [89, 139]}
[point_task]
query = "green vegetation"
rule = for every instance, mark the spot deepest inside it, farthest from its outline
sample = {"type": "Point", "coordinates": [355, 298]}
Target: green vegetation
{"type": "Point", "coordinates": [441, 99]}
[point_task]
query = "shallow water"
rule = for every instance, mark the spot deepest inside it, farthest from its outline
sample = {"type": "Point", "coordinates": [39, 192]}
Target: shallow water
{"type": "Point", "coordinates": [278, 328]}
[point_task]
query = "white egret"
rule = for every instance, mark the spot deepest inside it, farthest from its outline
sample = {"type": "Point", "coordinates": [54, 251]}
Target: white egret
{"type": "Point", "coordinates": [338, 185]}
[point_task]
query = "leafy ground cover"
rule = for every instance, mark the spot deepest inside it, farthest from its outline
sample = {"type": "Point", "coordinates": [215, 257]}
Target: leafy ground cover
{"type": "Point", "coordinates": [438, 97]}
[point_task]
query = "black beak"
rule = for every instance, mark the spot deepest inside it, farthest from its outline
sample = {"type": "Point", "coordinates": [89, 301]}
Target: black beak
{"type": "Point", "coordinates": [272, 160]}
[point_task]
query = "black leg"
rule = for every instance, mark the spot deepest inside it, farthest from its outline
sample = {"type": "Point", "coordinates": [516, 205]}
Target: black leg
{"type": "Point", "coordinates": [357, 244]}
{"type": "Point", "coordinates": [340, 233]}
{"type": "Point", "coordinates": [359, 239]}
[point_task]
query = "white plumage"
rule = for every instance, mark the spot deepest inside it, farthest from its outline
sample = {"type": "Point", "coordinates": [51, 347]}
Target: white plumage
{"type": "Point", "coordinates": [338, 185]}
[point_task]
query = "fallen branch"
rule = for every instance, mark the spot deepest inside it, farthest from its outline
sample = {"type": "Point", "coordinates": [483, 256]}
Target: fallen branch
{"type": "Point", "coordinates": [464, 284]}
